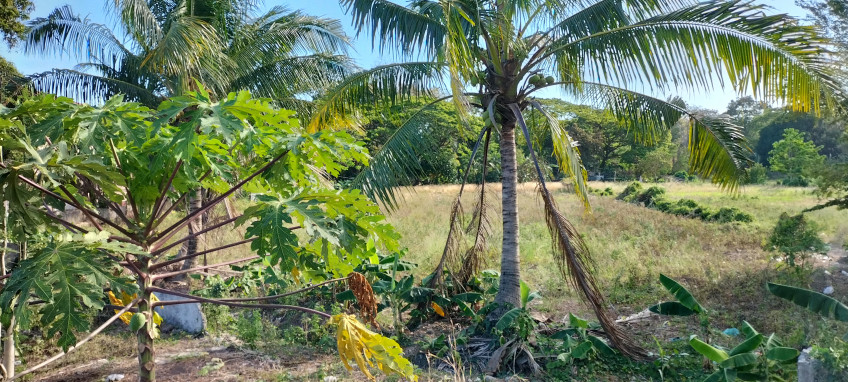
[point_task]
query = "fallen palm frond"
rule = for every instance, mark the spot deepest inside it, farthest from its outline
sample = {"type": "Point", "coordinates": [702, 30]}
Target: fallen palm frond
{"type": "Point", "coordinates": [574, 261]}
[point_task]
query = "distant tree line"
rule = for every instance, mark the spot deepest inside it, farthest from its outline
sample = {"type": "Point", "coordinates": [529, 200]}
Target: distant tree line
{"type": "Point", "coordinates": [789, 147]}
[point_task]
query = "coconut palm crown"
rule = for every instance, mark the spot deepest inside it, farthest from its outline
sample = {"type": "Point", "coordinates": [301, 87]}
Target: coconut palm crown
{"type": "Point", "coordinates": [163, 46]}
{"type": "Point", "coordinates": [493, 55]}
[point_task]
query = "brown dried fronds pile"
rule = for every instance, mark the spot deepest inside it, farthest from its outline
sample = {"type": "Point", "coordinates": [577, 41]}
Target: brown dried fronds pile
{"type": "Point", "coordinates": [364, 296]}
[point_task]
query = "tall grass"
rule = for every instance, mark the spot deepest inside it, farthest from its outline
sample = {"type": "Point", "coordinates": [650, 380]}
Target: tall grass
{"type": "Point", "coordinates": [631, 245]}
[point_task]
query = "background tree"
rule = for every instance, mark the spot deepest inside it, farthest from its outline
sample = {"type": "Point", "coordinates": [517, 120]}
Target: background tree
{"type": "Point", "coordinates": [447, 145]}
{"type": "Point", "coordinates": [795, 156]}
{"type": "Point", "coordinates": [655, 163]}
{"type": "Point", "coordinates": [825, 131]}
{"type": "Point", "coordinates": [222, 44]}
{"type": "Point", "coordinates": [743, 110]}
{"type": "Point", "coordinates": [13, 14]}
{"type": "Point", "coordinates": [494, 55]}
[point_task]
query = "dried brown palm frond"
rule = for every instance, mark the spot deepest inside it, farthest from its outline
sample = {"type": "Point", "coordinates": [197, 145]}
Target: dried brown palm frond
{"type": "Point", "coordinates": [449, 254]}
{"type": "Point", "coordinates": [575, 264]}
{"type": "Point", "coordinates": [482, 226]}
{"type": "Point", "coordinates": [574, 261]}
{"type": "Point", "coordinates": [455, 232]}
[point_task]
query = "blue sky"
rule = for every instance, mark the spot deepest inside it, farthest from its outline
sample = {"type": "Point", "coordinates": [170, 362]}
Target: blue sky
{"type": "Point", "coordinates": [361, 52]}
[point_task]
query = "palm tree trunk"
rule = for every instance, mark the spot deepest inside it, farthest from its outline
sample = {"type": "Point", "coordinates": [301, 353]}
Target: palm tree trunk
{"type": "Point", "coordinates": [510, 288]}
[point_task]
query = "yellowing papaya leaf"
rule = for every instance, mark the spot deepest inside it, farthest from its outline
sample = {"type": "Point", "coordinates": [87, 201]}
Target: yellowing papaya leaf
{"type": "Point", "coordinates": [437, 308]}
{"type": "Point", "coordinates": [126, 299]}
{"type": "Point", "coordinates": [355, 342]}
{"type": "Point", "coordinates": [126, 317]}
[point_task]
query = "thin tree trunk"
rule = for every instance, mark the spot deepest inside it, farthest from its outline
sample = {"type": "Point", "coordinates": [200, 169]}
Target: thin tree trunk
{"type": "Point", "coordinates": [9, 349]}
{"type": "Point", "coordinates": [146, 358]}
{"type": "Point", "coordinates": [195, 203]}
{"type": "Point", "coordinates": [9, 339]}
{"type": "Point", "coordinates": [510, 282]}
{"type": "Point", "coordinates": [6, 373]}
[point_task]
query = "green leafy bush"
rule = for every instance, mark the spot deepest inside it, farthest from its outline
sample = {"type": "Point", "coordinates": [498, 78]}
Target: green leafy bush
{"type": "Point", "coordinates": [757, 174]}
{"type": "Point", "coordinates": [654, 197]}
{"type": "Point", "coordinates": [630, 192]}
{"type": "Point", "coordinates": [684, 176]}
{"type": "Point", "coordinates": [605, 192]}
{"type": "Point", "coordinates": [731, 214]}
{"type": "Point", "coordinates": [795, 237]}
{"type": "Point", "coordinates": [651, 196]}
{"type": "Point", "coordinates": [795, 181]}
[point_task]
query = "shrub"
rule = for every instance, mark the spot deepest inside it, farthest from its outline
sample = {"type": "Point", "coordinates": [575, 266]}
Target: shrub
{"type": "Point", "coordinates": [605, 192]}
{"type": "Point", "coordinates": [795, 237]}
{"type": "Point", "coordinates": [650, 196]}
{"type": "Point", "coordinates": [687, 203]}
{"type": "Point", "coordinates": [732, 214]}
{"type": "Point", "coordinates": [631, 191]}
{"type": "Point", "coordinates": [654, 197]}
{"type": "Point", "coordinates": [702, 212]}
{"type": "Point", "coordinates": [795, 181]}
{"type": "Point", "coordinates": [663, 206]}
{"type": "Point", "coordinates": [681, 210]}
{"type": "Point", "coordinates": [757, 174]}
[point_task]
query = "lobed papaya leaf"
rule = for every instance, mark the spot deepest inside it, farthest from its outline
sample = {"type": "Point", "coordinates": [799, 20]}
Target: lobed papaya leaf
{"type": "Point", "coordinates": [356, 343]}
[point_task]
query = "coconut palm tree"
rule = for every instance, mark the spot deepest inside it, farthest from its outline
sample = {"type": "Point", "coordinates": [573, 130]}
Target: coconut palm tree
{"type": "Point", "coordinates": [169, 44]}
{"type": "Point", "coordinates": [494, 55]}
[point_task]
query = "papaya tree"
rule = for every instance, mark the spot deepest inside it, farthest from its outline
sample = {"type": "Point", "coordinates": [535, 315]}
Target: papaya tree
{"type": "Point", "coordinates": [125, 168]}
{"type": "Point", "coordinates": [493, 56]}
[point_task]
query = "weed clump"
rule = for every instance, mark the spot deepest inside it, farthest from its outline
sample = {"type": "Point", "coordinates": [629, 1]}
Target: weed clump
{"type": "Point", "coordinates": [630, 192]}
{"type": "Point", "coordinates": [605, 192]}
{"type": "Point", "coordinates": [654, 197]}
{"type": "Point", "coordinates": [651, 196]}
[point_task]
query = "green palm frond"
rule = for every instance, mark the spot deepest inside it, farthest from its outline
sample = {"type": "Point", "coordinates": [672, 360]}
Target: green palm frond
{"type": "Point", "coordinates": [303, 108]}
{"type": "Point", "coordinates": [718, 149]}
{"type": "Point", "coordinates": [89, 88]}
{"type": "Point", "coordinates": [386, 84]}
{"type": "Point", "coordinates": [395, 26]}
{"type": "Point", "coordinates": [190, 47]}
{"type": "Point", "coordinates": [63, 32]}
{"type": "Point", "coordinates": [567, 154]}
{"type": "Point", "coordinates": [396, 162]}
{"type": "Point", "coordinates": [772, 56]}
{"type": "Point", "coordinates": [289, 76]}
{"type": "Point", "coordinates": [142, 19]}
{"type": "Point", "coordinates": [289, 33]}
{"type": "Point", "coordinates": [459, 56]}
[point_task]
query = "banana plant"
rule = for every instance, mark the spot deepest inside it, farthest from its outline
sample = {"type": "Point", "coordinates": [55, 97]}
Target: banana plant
{"type": "Point", "coordinates": [757, 358]}
{"type": "Point", "coordinates": [815, 302]}
{"type": "Point", "coordinates": [579, 343]}
{"type": "Point", "coordinates": [686, 304]}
